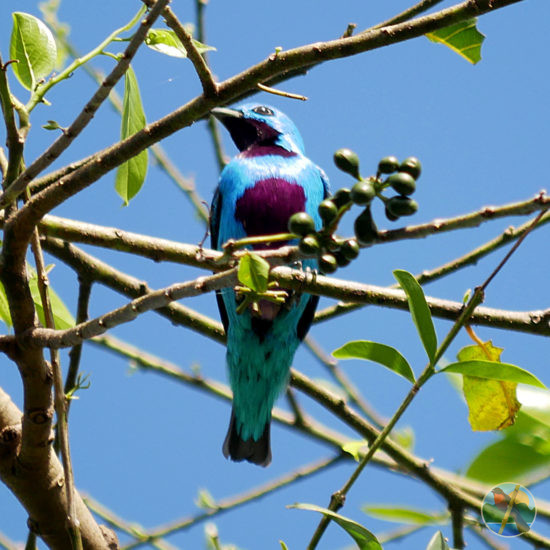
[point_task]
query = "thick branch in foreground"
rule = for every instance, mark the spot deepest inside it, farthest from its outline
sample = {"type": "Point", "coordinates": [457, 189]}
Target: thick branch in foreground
{"type": "Point", "coordinates": [41, 490]}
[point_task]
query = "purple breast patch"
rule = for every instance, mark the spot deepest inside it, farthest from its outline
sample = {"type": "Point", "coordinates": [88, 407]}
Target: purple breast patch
{"type": "Point", "coordinates": [265, 208]}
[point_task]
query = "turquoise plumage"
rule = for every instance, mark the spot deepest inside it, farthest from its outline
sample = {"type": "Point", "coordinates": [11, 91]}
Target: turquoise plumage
{"type": "Point", "coordinates": [268, 181]}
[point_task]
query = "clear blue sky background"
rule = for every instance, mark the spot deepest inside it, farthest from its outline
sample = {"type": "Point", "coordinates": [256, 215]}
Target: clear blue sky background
{"type": "Point", "coordinates": [144, 445]}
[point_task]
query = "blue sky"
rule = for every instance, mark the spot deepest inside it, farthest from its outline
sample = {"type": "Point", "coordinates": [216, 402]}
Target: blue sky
{"type": "Point", "coordinates": [143, 445]}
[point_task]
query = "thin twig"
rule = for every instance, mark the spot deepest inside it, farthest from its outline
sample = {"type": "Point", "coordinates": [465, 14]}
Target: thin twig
{"type": "Point", "coordinates": [209, 86]}
{"type": "Point", "coordinates": [345, 383]}
{"type": "Point", "coordinates": [299, 414]}
{"type": "Point", "coordinates": [409, 13]}
{"type": "Point", "coordinates": [170, 169]}
{"type": "Point", "coordinates": [442, 481]}
{"type": "Point", "coordinates": [232, 503]}
{"type": "Point", "coordinates": [84, 293]}
{"type": "Point", "coordinates": [541, 201]}
{"type": "Point", "coordinates": [48, 337]}
{"type": "Point", "coordinates": [338, 498]}
{"type": "Point", "coordinates": [59, 396]}
{"type": "Point", "coordinates": [89, 266]}
{"type": "Point", "coordinates": [274, 91]}
{"type": "Point", "coordinates": [213, 124]}
{"type": "Point", "coordinates": [230, 90]}
{"type": "Point", "coordinates": [15, 138]}
{"type": "Point", "coordinates": [81, 121]}
{"type": "Point", "coordinates": [41, 91]}
{"type": "Point", "coordinates": [427, 276]}
{"type": "Point", "coordinates": [135, 530]}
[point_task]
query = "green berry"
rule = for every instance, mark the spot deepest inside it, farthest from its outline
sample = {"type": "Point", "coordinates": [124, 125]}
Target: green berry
{"type": "Point", "coordinates": [362, 193]}
{"type": "Point", "coordinates": [342, 197]}
{"type": "Point", "coordinates": [309, 244]}
{"type": "Point", "coordinates": [350, 249]}
{"type": "Point", "coordinates": [328, 263]}
{"type": "Point", "coordinates": [365, 228]}
{"type": "Point", "coordinates": [388, 165]}
{"type": "Point", "coordinates": [389, 215]}
{"type": "Point", "coordinates": [328, 211]}
{"type": "Point", "coordinates": [333, 243]}
{"type": "Point", "coordinates": [401, 206]}
{"type": "Point", "coordinates": [412, 166]}
{"type": "Point", "coordinates": [403, 183]}
{"type": "Point", "coordinates": [341, 260]}
{"type": "Point", "coordinates": [301, 224]}
{"type": "Point", "coordinates": [348, 162]}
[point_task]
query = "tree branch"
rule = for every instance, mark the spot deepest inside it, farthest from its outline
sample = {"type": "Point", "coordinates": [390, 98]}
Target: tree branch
{"type": "Point", "coordinates": [90, 267]}
{"type": "Point", "coordinates": [59, 398]}
{"type": "Point", "coordinates": [541, 201]}
{"type": "Point", "coordinates": [230, 90]}
{"type": "Point", "coordinates": [81, 121]}
{"type": "Point", "coordinates": [41, 489]}
{"type": "Point", "coordinates": [209, 86]}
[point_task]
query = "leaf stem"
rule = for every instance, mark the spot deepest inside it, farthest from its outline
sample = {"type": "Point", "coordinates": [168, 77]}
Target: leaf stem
{"type": "Point", "coordinates": [40, 92]}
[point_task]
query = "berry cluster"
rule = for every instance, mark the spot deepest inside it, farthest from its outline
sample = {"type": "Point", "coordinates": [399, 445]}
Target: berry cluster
{"type": "Point", "coordinates": [332, 251]}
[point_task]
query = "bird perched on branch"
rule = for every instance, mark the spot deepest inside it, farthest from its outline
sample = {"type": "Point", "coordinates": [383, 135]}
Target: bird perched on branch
{"type": "Point", "coordinates": [267, 182]}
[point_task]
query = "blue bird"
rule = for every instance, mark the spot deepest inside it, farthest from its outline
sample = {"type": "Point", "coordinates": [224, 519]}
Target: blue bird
{"type": "Point", "coordinates": [268, 181]}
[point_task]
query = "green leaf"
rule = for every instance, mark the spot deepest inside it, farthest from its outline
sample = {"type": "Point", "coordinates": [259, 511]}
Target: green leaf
{"type": "Point", "coordinates": [4, 308]}
{"type": "Point", "coordinates": [33, 45]}
{"type": "Point", "coordinates": [363, 537]}
{"type": "Point", "coordinates": [283, 545]}
{"type": "Point", "coordinates": [62, 317]}
{"type": "Point", "coordinates": [462, 37]}
{"type": "Point", "coordinates": [205, 500]}
{"type": "Point", "coordinates": [438, 542]}
{"type": "Point", "coordinates": [528, 441]}
{"type": "Point", "coordinates": [405, 515]}
{"type": "Point", "coordinates": [493, 370]}
{"type": "Point", "coordinates": [254, 272]}
{"type": "Point", "coordinates": [131, 175]}
{"type": "Point", "coordinates": [379, 353]}
{"type": "Point", "coordinates": [419, 309]}
{"type": "Point", "coordinates": [52, 125]}
{"type": "Point", "coordinates": [354, 448]}
{"type": "Point", "coordinates": [510, 458]}
{"type": "Point", "coordinates": [166, 41]}
{"type": "Point", "coordinates": [49, 9]}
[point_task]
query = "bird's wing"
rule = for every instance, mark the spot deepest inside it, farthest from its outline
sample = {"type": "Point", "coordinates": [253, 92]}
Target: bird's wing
{"type": "Point", "coordinates": [214, 222]}
{"type": "Point", "coordinates": [326, 184]}
{"type": "Point", "coordinates": [309, 312]}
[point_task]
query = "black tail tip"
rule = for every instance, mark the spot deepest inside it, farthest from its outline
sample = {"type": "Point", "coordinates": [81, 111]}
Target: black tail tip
{"type": "Point", "coordinates": [238, 449]}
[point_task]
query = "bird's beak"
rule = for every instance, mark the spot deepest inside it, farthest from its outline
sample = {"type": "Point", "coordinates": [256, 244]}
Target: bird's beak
{"type": "Point", "coordinates": [224, 114]}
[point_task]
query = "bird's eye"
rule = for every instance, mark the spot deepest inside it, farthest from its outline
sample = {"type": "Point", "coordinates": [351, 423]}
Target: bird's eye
{"type": "Point", "coordinates": [263, 110]}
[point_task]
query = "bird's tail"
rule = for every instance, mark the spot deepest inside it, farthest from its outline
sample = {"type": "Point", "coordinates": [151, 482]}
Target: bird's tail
{"type": "Point", "coordinates": [256, 451]}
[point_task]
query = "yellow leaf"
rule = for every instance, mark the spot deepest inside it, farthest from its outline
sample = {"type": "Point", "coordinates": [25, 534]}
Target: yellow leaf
{"type": "Point", "coordinates": [492, 404]}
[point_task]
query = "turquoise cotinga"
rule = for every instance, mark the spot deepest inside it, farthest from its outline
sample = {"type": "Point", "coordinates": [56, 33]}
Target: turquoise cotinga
{"type": "Point", "coordinates": [268, 181]}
